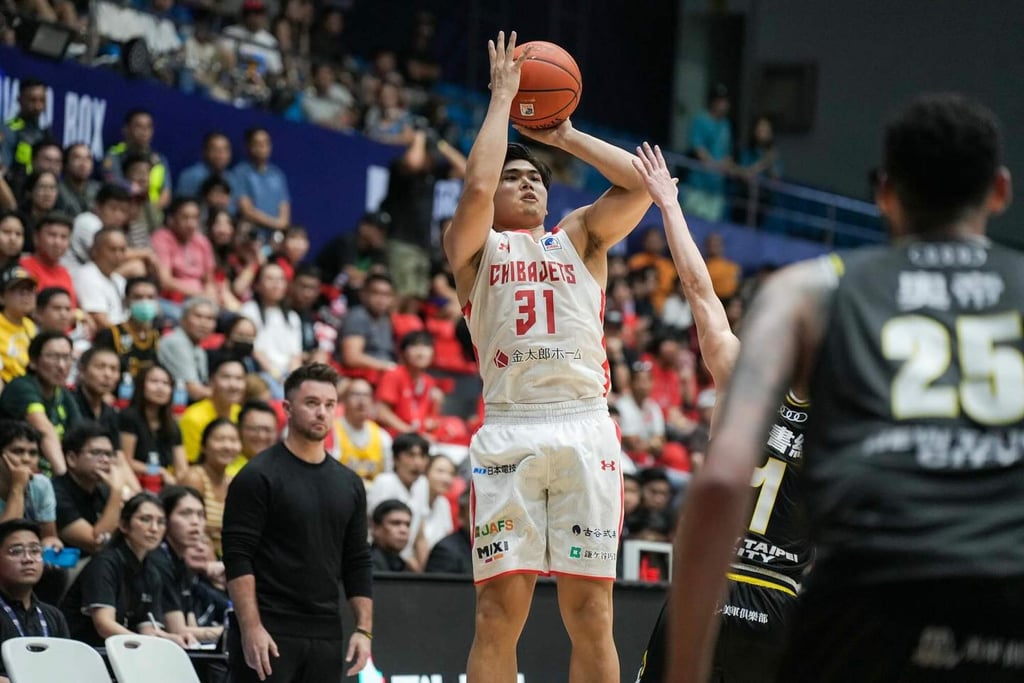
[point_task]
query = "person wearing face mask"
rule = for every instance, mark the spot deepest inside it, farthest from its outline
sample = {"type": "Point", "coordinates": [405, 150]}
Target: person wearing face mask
{"type": "Point", "coordinates": [239, 340]}
{"type": "Point", "coordinates": [135, 340]}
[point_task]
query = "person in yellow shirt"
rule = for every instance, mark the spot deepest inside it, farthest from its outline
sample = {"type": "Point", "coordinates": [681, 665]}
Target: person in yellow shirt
{"type": "Point", "coordinates": [227, 380]}
{"type": "Point", "coordinates": [653, 255]}
{"type": "Point", "coordinates": [361, 444]}
{"type": "Point", "coordinates": [725, 274]}
{"type": "Point", "coordinates": [16, 327]}
{"type": "Point", "coordinates": [257, 423]}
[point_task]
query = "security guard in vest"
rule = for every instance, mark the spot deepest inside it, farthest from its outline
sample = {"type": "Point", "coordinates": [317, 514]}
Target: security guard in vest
{"type": "Point", "coordinates": [18, 135]}
{"type": "Point", "coordinates": [138, 135]}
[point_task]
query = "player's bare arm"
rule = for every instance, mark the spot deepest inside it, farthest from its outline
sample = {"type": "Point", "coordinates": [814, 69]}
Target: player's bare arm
{"type": "Point", "coordinates": [718, 345]}
{"type": "Point", "coordinates": [474, 216]}
{"type": "Point", "coordinates": [598, 226]}
{"type": "Point", "coordinates": [780, 340]}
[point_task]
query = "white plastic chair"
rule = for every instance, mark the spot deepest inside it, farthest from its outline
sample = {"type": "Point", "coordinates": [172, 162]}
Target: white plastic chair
{"type": "Point", "coordinates": [148, 659]}
{"type": "Point", "coordinates": [45, 660]}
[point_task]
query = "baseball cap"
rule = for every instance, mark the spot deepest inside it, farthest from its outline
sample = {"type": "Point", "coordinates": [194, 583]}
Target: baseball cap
{"type": "Point", "coordinates": [253, 6]}
{"type": "Point", "coordinates": [13, 275]}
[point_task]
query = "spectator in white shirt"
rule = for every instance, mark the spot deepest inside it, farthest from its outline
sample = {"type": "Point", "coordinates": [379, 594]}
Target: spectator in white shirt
{"type": "Point", "coordinates": [278, 345]}
{"type": "Point", "coordinates": [407, 484]}
{"type": "Point", "coordinates": [251, 42]}
{"type": "Point", "coordinates": [328, 103]}
{"type": "Point", "coordinates": [640, 417]}
{"type": "Point", "coordinates": [113, 206]}
{"type": "Point", "coordinates": [99, 286]}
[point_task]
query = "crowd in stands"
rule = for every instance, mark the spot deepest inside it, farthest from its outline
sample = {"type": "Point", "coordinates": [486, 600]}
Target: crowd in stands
{"type": "Point", "coordinates": [150, 315]}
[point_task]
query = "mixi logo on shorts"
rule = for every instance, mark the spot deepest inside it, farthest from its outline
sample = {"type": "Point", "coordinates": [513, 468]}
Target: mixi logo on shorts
{"type": "Point", "coordinates": [493, 551]}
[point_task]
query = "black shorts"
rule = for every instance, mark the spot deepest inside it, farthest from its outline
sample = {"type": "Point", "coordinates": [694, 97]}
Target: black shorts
{"type": "Point", "coordinates": [751, 638]}
{"type": "Point", "coordinates": [951, 631]}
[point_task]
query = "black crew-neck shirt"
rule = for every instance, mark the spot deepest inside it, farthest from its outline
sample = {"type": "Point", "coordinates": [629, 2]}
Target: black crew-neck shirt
{"type": "Point", "coordinates": [299, 529]}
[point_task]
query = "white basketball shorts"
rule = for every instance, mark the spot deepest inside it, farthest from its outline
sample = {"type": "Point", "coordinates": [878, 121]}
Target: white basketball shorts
{"type": "Point", "coordinates": [547, 491]}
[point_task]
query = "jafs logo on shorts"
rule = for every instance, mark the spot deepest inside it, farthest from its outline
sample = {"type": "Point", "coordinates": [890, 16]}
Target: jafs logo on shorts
{"type": "Point", "coordinates": [493, 528]}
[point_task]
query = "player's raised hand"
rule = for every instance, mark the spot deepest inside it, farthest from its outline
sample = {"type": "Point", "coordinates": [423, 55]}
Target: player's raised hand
{"type": "Point", "coordinates": [651, 166]}
{"type": "Point", "coordinates": [505, 67]}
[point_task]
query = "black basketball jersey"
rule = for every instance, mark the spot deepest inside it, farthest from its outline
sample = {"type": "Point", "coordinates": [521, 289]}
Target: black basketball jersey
{"type": "Point", "coordinates": [775, 547]}
{"type": "Point", "coordinates": [916, 437]}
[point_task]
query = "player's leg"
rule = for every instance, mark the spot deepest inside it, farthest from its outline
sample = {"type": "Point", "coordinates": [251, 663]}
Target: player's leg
{"type": "Point", "coordinates": [509, 542]}
{"type": "Point", "coordinates": [586, 607]}
{"type": "Point", "coordinates": [502, 605]}
{"type": "Point", "coordinates": [584, 522]}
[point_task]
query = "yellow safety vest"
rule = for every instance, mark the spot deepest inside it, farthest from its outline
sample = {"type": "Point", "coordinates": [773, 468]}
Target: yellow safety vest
{"type": "Point", "coordinates": [23, 150]}
{"type": "Point", "coordinates": [157, 174]}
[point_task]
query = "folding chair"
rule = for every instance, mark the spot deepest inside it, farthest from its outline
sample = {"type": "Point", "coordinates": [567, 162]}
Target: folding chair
{"type": "Point", "coordinates": [45, 660]}
{"type": "Point", "coordinates": [148, 659]}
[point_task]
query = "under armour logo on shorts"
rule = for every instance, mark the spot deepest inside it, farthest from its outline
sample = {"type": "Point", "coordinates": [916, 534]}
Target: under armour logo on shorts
{"type": "Point", "coordinates": [607, 465]}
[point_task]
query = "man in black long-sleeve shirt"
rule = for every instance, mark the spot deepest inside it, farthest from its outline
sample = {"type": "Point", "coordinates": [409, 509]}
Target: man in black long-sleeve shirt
{"type": "Point", "coordinates": [294, 526]}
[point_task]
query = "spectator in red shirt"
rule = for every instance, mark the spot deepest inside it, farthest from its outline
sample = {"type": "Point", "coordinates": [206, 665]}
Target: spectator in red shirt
{"type": "Point", "coordinates": [185, 258]}
{"type": "Point", "coordinates": [408, 399]}
{"type": "Point", "coordinates": [52, 237]}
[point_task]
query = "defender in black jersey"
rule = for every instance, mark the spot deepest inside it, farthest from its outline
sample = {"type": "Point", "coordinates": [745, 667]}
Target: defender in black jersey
{"type": "Point", "coordinates": [914, 468]}
{"type": "Point", "coordinates": [771, 558]}
{"type": "Point", "coordinates": [773, 552]}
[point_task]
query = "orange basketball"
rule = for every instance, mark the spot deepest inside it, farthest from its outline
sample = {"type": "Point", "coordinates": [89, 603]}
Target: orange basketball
{"type": "Point", "coordinates": [549, 88]}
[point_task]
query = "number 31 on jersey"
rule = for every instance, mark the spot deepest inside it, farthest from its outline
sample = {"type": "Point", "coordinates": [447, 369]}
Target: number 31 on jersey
{"type": "Point", "coordinates": [527, 309]}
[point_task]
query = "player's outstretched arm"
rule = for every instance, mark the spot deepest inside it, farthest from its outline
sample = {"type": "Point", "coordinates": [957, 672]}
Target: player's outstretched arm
{"type": "Point", "coordinates": [718, 344]}
{"type": "Point", "coordinates": [614, 215]}
{"type": "Point", "coordinates": [780, 342]}
{"type": "Point", "coordinates": [474, 214]}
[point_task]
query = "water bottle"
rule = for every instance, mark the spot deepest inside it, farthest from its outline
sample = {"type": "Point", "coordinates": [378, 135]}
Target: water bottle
{"type": "Point", "coordinates": [229, 616]}
{"type": "Point", "coordinates": [151, 480]}
{"type": "Point", "coordinates": [180, 397]}
{"type": "Point", "coordinates": [126, 389]}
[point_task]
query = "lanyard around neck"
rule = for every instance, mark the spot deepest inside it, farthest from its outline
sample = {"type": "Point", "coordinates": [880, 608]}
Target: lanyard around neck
{"type": "Point", "coordinates": [17, 624]}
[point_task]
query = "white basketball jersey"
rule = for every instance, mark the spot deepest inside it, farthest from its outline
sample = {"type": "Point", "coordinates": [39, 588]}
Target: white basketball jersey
{"type": "Point", "coordinates": [536, 315]}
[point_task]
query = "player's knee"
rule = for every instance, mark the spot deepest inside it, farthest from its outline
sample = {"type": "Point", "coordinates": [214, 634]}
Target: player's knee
{"type": "Point", "coordinates": [588, 615]}
{"type": "Point", "coordinates": [497, 617]}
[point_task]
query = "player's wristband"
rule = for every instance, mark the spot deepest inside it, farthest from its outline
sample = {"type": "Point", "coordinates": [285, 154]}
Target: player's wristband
{"type": "Point", "coordinates": [363, 631]}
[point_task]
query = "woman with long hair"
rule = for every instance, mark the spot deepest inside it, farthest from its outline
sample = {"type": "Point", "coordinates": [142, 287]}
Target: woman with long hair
{"type": "Point", "coordinates": [438, 521]}
{"type": "Point", "coordinates": [220, 445]}
{"type": "Point", "coordinates": [187, 566]}
{"type": "Point", "coordinates": [149, 435]}
{"type": "Point", "coordinates": [39, 197]}
{"type": "Point", "coordinates": [220, 230]}
{"type": "Point", "coordinates": [119, 591]}
{"type": "Point", "coordinates": [278, 345]}
{"type": "Point", "coordinates": [12, 238]}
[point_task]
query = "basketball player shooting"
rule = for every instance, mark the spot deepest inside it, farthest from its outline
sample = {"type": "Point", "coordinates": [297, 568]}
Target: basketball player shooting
{"type": "Point", "coordinates": [545, 464]}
